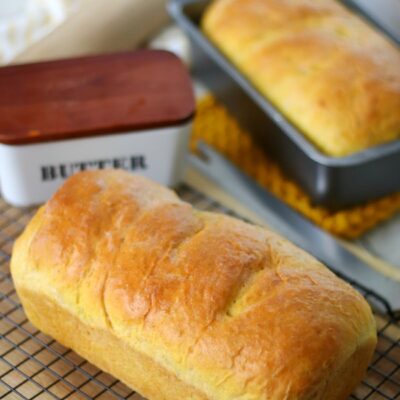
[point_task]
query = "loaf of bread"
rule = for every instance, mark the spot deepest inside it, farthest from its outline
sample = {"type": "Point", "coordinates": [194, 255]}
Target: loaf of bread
{"type": "Point", "coordinates": [334, 76]}
{"type": "Point", "coordinates": [182, 304]}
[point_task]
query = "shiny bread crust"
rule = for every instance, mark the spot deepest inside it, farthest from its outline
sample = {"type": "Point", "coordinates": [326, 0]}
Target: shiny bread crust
{"type": "Point", "coordinates": [185, 304]}
{"type": "Point", "coordinates": [334, 76]}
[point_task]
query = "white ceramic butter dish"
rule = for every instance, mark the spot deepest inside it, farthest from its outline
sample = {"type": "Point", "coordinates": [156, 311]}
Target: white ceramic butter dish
{"type": "Point", "coordinates": [131, 111]}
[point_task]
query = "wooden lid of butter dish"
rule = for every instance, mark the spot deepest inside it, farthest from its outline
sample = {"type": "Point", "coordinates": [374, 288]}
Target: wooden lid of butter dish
{"type": "Point", "coordinates": [92, 96]}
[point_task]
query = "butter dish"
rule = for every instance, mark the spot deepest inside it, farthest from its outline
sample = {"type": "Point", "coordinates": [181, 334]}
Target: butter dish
{"type": "Point", "coordinates": [128, 110]}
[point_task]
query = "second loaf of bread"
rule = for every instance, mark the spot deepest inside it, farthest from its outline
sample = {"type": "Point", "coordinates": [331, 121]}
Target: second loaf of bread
{"type": "Point", "coordinates": [326, 69]}
{"type": "Point", "coordinates": [181, 304]}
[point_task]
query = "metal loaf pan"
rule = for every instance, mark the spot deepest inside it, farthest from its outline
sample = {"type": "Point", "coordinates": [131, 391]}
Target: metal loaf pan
{"type": "Point", "coordinates": [330, 181]}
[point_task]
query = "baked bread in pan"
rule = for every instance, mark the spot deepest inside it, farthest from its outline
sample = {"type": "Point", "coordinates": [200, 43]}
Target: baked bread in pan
{"type": "Point", "coordinates": [334, 76]}
{"type": "Point", "coordinates": [183, 304]}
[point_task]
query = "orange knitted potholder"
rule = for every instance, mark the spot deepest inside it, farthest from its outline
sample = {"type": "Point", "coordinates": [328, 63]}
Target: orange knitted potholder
{"type": "Point", "coordinates": [216, 127]}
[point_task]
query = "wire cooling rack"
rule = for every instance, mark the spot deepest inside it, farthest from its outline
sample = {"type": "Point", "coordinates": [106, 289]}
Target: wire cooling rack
{"type": "Point", "coordinates": [33, 366]}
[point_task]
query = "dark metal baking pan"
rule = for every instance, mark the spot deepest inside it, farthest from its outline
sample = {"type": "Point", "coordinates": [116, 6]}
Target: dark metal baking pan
{"type": "Point", "coordinates": [330, 181]}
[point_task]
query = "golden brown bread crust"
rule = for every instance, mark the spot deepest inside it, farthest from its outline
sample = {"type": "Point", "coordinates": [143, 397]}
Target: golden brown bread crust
{"type": "Point", "coordinates": [213, 308]}
{"type": "Point", "coordinates": [328, 71]}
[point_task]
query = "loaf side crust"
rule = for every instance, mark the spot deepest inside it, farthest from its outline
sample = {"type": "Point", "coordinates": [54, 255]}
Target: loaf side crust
{"type": "Point", "coordinates": [104, 350]}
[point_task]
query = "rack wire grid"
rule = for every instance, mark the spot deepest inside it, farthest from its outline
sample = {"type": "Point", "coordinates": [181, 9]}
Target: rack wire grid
{"type": "Point", "coordinates": [33, 366]}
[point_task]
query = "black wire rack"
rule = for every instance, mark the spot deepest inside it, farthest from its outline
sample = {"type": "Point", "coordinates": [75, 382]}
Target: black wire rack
{"type": "Point", "coordinates": [33, 366]}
